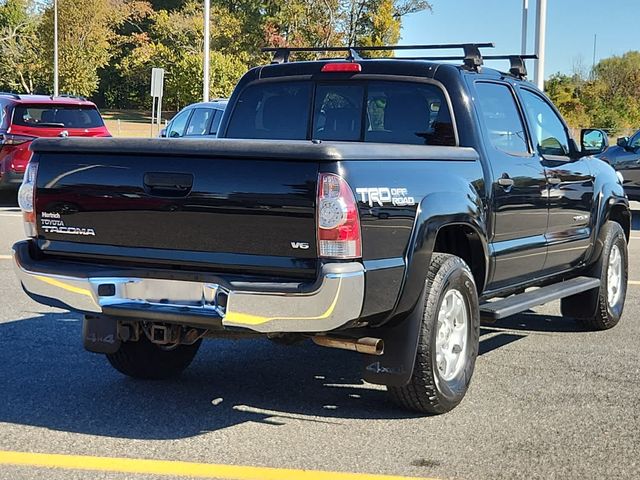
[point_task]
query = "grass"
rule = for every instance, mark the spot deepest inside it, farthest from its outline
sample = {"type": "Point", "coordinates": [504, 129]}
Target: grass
{"type": "Point", "coordinates": [132, 123]}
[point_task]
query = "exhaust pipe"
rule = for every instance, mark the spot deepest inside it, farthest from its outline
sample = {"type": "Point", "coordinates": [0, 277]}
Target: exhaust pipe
{"type": "Point", "coordinates": [368, 345]}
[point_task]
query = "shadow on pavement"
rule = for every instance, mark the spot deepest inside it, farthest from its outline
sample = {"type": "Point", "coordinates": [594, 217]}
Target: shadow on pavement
{"type": "Point", "coordinates": [48, 380]}
{"type": "Point", "coordinates": [9, 200]}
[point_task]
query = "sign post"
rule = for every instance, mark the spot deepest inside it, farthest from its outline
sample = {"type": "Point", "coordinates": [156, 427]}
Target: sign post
{"type": "Point", "coordinates": [157, 90]}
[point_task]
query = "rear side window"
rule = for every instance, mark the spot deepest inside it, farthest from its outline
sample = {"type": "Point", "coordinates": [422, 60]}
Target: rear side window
{"type": "Point", "coordinates": [387, 112]}
{"type": "Point", "coordinates": [501, 118]}
{"type": "Point", "coordinates": [60, 116]}
{"type": "Point", "coordinates": [216, 122]}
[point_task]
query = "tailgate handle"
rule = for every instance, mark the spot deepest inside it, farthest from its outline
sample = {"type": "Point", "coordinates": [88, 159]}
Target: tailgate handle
{"type": "Point", "coordinates": [168, 184]}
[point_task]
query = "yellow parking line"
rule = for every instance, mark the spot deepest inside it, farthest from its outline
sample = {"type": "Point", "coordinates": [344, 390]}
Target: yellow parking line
{"type": "Point", "coordinates": [633, 282]}
{"type": "Point", "coordinates": [5, 257]}
{"type": "Point", "coordinates": [175, 468]}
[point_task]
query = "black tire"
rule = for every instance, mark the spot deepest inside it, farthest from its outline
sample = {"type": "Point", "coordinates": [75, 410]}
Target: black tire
{"type": "Point", "coordinates": [145, 360]}
{"type": "Point", "coordinates": [427, 391]}
{"type": "Point", "coordinates": [592, 308]}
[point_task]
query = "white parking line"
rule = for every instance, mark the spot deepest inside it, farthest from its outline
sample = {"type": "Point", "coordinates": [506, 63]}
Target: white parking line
{"type": "Point", "coordinates": [5, 257]}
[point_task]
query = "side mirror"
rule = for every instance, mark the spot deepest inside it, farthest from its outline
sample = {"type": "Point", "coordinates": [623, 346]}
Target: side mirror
{"type": "Point", "coordinates": [593, 141]}
{"type": "Point", "coordinates": [163, 133]}
{"type": "Point", "coordinates": [623, 142]}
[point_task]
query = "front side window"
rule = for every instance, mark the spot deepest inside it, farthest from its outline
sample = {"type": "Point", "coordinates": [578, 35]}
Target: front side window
{"type": "Point", "coordinates": [501, 118]}
{"type": "Point", "coordinates": [547, 130]}
{"type": "Point", "coordinates": [635, 141]}
{"type": "Point", "coordinates": [178, 124]}
{"type": "Point", "coordinates": [386, 112]}
{"type": "Point", "coordinates": [199, 121]}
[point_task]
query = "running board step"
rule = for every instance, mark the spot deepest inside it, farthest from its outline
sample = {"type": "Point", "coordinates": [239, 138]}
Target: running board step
{"type": "Point", "coordinates": [492, 311]}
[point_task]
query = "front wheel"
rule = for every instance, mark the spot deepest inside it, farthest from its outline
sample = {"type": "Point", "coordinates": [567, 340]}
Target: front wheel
{"type": "Point", "coordinates": [601, 308]}
{"type": "Point", "coordinates": [449, 338]}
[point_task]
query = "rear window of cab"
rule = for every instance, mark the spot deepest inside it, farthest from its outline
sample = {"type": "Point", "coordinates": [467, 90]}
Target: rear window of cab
{"type": "Point", "coordinates": [57, 116]}
{"type": "Point", "coordinates": [374, 111]}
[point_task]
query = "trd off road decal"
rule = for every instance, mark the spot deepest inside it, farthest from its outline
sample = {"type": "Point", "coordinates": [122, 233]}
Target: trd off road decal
{"type": "Point", "coordinates": [52, 223]}
{"type": "Point", "coordinates": [398, 197]}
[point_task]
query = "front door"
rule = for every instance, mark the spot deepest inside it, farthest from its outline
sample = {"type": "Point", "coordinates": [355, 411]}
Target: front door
{"type": "Point", "coordinates": [519, 189]}
{"type": "Point", "coordinates": [570, 185]}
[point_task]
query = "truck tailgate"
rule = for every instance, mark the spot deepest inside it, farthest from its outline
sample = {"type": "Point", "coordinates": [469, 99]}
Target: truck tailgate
{"type": "Point", "coordinates": [198, 204]}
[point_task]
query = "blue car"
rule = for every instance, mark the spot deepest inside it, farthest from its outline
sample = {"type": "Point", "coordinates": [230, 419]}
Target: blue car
{"type": "Point", "coordinates": [625, 158]}
{"type": "Point", "coordinates": [196, 120]}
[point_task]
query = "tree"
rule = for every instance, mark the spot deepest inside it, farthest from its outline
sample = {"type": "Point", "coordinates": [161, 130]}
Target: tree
{"type": "Point", "coordinates": [21, 53]}
{"type": "Point", "coordinates": [86, 31]}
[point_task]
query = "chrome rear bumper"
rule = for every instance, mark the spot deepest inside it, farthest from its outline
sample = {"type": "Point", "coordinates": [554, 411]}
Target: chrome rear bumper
{"type": "Point", "coordinates": [333, 301]}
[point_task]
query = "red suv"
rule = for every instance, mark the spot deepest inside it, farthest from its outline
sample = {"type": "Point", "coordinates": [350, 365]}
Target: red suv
{"type": "Point", "coordinates": [26, 117]}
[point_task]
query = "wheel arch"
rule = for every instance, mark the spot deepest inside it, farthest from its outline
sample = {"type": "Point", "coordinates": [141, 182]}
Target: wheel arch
{"type": "Point", "coordinates": [450, 220]}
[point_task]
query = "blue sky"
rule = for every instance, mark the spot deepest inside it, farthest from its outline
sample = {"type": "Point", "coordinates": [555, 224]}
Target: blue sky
{"type": "Point", "coordinates": [571, 25]}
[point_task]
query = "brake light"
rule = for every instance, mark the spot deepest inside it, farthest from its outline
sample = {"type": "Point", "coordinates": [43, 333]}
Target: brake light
{"type": "Point", "coordinates": [338, 220]}
{"type": "Point", "coordinates": [342, 67]}
{"type": "Point", "coordinates": [27, 199]}
{"type": "Point", "coordinates": [9, 139]}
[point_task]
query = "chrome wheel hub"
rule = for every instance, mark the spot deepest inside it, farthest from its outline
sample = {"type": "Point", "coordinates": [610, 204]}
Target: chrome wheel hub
{"type": "Point", "coordinates": [452, 330]}
{"type": "Point", "coordinates": [614, 276]}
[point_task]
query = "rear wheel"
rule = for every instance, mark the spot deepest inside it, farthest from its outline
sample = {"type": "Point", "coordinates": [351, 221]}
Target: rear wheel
{"type": "Point", "coordinates": [601, 308]}
{"type": "Point", "coordinates": [146, 360]}
{"type": "Point", "coordinates": [448, 343]}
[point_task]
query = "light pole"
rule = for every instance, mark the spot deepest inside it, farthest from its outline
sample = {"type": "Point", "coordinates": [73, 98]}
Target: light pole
{"type": "Point", "coordinates": [55, 48]}
{"type": "Point", "coordinates": [525, 21]}
{"type": "Point", "coordinates": [541, 28]}
{"type": "Point", "coordinates": [205, 79]}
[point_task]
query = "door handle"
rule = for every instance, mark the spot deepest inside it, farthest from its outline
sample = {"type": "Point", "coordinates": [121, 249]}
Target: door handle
{"type": "Point", "coordinates": [554, 180]}
{"type": "Point", "coordinates": [505, 181]}
{"type": "Point", "coordinates": [168, 184]}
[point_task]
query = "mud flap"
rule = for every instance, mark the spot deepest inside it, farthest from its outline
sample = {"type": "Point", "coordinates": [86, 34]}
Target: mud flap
{"type": "Point", "coordinates": [100, 334]}
{"type": "Point", "coordinates": [395, 366]}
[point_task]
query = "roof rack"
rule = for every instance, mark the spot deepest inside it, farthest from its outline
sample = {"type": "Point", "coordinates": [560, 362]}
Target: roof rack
{"type": "Point", "coordinates": [68, 95]}
{"type": "Point", "coordinates": [11, 94]}
{"type": "Point", "coordinates": [472, 57]}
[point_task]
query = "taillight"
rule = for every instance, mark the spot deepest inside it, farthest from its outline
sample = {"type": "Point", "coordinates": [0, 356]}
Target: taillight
{"type": "Point", "coordinates": [8, 139]}
{"type": "Point", "coordinates": [338, 219]}
{"type": "Point", "coordinates": [27, 198]}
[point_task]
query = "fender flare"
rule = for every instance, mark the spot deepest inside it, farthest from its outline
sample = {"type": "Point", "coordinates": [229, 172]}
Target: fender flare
{"type": "Point", "coordinates": [401, 333]}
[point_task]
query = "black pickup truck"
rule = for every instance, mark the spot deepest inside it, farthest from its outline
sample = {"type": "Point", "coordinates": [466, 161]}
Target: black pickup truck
{"type": "Point", "coordinates": [384, 206]}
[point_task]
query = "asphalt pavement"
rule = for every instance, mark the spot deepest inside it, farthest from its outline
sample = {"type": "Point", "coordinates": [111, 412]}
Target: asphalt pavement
{"type": "Point", "coordinates": [548, 400]}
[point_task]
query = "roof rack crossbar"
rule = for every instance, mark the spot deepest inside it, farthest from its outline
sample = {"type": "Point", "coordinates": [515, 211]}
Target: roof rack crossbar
{"type": "Point", "coordinates": [518, 68]}
{"type": "Point", "coordinates": [69, 95]}
{"type": "Point", "coordinates": [11, 94]}
{"type": "Point", "coordinates": [472, 57]}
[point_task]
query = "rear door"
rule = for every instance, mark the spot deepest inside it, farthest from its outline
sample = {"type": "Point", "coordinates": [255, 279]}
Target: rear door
{"type": "Point", "coordinates": [570, 192]}
{"type": "Point", "coordinates": [519, 187]}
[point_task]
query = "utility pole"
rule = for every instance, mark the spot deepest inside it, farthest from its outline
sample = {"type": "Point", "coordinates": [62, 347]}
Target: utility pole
{"type": "Point", "coordinates": [595, 44]}
{"type": "Point", "coordinates": [541, 27]}
{"type": "Point", "coordinates": [205, 79]}
{"type": "Point", "coordinates": [56, 91]}
{"type": "Point", "coordinates": [525, 21]}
